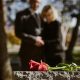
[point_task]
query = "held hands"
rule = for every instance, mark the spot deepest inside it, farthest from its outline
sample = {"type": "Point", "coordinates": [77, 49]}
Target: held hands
{"type": "Point", "coordinates": [39, 41]}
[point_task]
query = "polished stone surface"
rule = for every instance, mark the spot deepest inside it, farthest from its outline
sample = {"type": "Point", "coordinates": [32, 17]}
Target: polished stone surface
{"type": "Point", "coordinates": [49, 75]}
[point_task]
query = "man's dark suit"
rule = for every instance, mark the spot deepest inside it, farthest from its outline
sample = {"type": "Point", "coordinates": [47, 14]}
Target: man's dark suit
{"type": "Point", "coordinates": [26, 29]}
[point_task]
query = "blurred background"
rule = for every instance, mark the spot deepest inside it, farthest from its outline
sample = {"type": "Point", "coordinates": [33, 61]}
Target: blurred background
{"type": "Point", "coordinates": [69, 16]}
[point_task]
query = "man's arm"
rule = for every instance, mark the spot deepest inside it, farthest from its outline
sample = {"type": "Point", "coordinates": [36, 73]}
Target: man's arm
{"type": "Point", "coordinates": [19, 30]}
{"type": "Point", "coordinates": [26, 37]}
{"type": "Point", "coordinates": [18, 27]}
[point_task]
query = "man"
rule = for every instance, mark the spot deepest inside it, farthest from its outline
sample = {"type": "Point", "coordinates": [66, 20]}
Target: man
{"type": "Point", "coordinates": [28, 28]}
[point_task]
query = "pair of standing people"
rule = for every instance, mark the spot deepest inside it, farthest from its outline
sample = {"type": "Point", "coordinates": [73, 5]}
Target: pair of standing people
{"type": "Point", "coordinates": [38, 37]}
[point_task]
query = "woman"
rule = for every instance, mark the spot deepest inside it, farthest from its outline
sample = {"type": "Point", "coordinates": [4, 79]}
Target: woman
{"type": "Point", "coordinates": [52, 37]}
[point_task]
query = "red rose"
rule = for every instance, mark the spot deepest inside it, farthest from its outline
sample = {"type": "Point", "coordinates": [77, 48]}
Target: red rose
{"type": "Point", "coordinates": [43, 67]}
{"type": "Point", "coordinates": [35, 66]}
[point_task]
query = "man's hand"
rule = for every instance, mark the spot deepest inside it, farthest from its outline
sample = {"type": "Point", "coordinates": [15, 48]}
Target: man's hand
{"type": "Point", "coordinates": [39, 41]}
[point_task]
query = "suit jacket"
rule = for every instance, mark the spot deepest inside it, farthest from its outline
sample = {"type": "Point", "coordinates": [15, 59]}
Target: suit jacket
{"type": "Point", "coordinates": [27, 29]}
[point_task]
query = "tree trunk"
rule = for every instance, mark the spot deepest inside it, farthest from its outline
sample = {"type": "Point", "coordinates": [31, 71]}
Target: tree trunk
{"type": "Point", "coordinates": [69, 55]}
{"type": "Point", "coordinates": [5, 68]}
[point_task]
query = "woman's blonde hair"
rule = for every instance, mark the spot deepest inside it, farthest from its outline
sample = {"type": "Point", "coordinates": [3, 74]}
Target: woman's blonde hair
{"type": "Point", "coordinates": [46, 8]}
